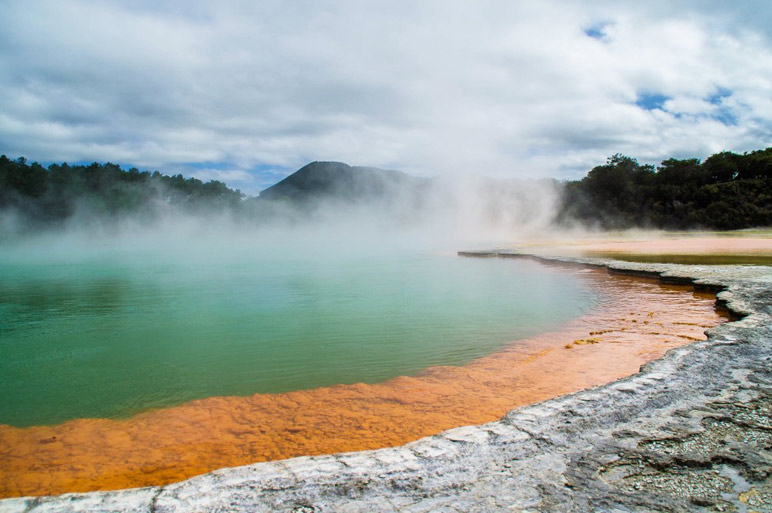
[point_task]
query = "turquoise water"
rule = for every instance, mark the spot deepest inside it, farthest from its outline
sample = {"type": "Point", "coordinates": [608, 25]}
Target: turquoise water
{"type": "Point", "coordinates": [114, 330]}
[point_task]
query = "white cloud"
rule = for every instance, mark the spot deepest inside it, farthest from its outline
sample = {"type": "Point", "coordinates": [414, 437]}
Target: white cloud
{"type": "Point", "coordinates": [223, 175]}
{"type": "Point", "coordinates": [496, 87]}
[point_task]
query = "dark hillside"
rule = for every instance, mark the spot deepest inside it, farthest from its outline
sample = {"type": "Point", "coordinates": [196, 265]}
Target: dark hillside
{"type": "Point", "coordinates": [320, 181]}
{"type": "Point", "coordinates": [727, 191]}
{"type": "Point", "coordinates": [41, 197]}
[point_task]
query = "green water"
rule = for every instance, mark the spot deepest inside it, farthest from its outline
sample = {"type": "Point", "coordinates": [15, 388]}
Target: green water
{"type": "Point", "coordinates": [111, 331]}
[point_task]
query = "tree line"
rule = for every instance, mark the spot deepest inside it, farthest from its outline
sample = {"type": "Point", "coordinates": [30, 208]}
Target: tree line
{"type": "Point", "coordinates": [726, 191]}
{"type": "Point", "coordinates": [39, 196]}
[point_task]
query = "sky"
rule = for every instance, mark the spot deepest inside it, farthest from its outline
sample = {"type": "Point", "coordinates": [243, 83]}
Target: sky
{"type": "Point", "coordinates": [247, 92]}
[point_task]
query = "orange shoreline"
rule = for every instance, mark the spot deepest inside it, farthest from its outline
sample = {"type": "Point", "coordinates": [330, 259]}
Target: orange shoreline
{"type": "Point", "coordinates": [697, 244]}
{"type": "Point", "coordinates": [639, 322]}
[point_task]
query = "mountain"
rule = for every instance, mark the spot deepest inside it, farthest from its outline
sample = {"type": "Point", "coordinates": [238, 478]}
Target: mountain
{"type": "Point", "coordinates": [322, 181]}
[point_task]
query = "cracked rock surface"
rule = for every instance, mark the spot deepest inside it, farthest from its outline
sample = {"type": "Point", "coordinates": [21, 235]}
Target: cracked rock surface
{"type": "Point", "coordinates": [691, 432]}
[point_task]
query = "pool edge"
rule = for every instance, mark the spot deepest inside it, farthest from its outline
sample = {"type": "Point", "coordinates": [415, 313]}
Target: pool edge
{"type": "Point", "coordinates": [552, 455]}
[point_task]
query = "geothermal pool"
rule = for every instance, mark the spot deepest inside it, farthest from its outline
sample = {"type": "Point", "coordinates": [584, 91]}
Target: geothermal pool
{"type": "Point", "coordinates": [116, 329]}
{"type": "Point", "coordinates": [220, 355]}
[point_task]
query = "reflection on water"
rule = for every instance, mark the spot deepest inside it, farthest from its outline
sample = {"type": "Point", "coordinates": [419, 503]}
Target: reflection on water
{"type": "Point", "coordinates": [33, 301]}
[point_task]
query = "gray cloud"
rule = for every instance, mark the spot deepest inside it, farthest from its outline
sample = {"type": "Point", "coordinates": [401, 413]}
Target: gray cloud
{"type": "Point", "coordinates": [492, 87]}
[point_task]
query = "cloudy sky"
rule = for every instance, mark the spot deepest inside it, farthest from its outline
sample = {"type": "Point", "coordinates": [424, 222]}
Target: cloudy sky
{"type": "Point", "coordinates": [246, 92]}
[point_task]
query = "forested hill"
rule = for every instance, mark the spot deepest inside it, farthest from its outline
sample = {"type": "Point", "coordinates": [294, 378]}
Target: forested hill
{"type": "Point", "coordinates": [726, 191]}
{"type": "Point", "coordinates": [40, 196]}
{"type": "Point", "coordinates": [319, 181]}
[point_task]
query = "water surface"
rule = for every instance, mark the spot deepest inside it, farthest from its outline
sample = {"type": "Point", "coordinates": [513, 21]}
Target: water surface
{"type": "Point", "coordinates": [109, 330]}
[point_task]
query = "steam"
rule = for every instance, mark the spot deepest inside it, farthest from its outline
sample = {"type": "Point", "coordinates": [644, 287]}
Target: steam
{"type": "Point", "coordinates": [443, 214]}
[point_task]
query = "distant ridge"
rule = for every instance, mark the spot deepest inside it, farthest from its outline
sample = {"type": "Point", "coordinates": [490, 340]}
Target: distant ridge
{"type": "Point", "coordinates": [320, 181]}
{"type": "Point", "coordinates": [727, 191]}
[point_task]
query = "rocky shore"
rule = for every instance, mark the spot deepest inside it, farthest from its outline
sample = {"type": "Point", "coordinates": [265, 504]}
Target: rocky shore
{"type": "Point", "coordinates": [691, 432]}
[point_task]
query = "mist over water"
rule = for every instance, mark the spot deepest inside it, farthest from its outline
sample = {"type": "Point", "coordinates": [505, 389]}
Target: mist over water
{"type": "Point", "coordinates": [351, 203]}
{"type": "Point", "coordinates": [445, 212]}
{"type": "Point", "coordinates": [136, 323]}
{"type": "Point", "coordinates": [111, 316]}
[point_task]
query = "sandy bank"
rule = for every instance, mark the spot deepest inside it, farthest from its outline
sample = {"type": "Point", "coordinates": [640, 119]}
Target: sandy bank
{"type": "Point", "coordinates": [752, 247]}
{"type": "Point", "coordinates": [689, 433]}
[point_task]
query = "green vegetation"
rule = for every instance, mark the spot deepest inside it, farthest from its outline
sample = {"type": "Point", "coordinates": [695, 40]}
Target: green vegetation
{"type": "Point", "coordinates": [40, 196]}
{"type": "Point", "coordinates": [726, 192]}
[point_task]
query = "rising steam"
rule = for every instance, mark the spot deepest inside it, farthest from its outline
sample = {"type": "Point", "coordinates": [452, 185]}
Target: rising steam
{"type": "Point", "coordinates": [445, 213]}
